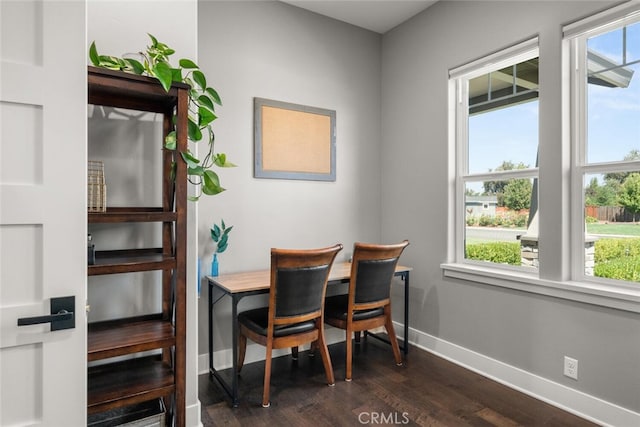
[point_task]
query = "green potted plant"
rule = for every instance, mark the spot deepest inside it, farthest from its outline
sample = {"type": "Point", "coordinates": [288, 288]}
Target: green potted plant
{"type": "Point", "coordinates": [220, 236]}
{"type": "Point", "coordinates": [202, 101]}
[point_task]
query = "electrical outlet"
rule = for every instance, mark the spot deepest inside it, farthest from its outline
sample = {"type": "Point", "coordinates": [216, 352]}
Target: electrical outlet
{"type": "Point", "coordinates": [571, 367]}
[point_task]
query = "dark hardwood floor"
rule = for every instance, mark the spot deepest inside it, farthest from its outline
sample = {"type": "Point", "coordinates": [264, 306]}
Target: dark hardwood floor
{"type": "Point", "coordinates": [426, 391]}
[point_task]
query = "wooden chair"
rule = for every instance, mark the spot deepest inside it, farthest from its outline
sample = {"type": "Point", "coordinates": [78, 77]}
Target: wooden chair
{"type": "Point", "coordinates": [296, 308]}
{"type": "Point", "coordinates": [368, 303]}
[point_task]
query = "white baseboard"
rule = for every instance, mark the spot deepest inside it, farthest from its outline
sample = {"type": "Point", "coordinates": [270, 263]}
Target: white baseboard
{"type": "Point", "coordinates": [574, 401]}
{"type": "Point", "coordinates": [192, 415]}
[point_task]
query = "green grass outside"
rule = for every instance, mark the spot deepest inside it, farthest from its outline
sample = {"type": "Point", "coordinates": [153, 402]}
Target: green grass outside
{"type": "Point", "coordinates": [622, 229]}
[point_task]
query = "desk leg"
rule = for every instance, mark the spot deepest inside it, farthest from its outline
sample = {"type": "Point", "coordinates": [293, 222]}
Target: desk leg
{"type": "Point", "coordinates": [210, 306]}
{"type": "Point", "coordinates": [232, 391]}
{"type": "Point", "coordinates": [234, 351]}
{"type": "Point", "coordinates": [405, 348]}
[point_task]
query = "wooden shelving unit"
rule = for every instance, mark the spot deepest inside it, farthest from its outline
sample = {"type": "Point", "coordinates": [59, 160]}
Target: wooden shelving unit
{"type": "Point", "coordinates": [142, 377]}
{"type": "Point", "coordinates": [126, 336]}
{"type": "Point", "coordinates": [115, 215]}
{"type": "Point", "coordinates": [129, 382]}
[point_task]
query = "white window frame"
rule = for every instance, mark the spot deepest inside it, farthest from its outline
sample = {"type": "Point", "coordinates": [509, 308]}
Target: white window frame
{"type": "Point", "coordinates": [459, 79]}
{"type": "Point", "coordinates": [576, 36]}
{"type": "Point", "coordinates": [576, 287]}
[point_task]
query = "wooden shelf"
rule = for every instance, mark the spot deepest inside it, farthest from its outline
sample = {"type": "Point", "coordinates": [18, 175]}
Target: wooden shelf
{"type": "Point", "coordinates": [140, 93]}
{"type": "Point", "coordinates": [126, 383]}
{"type": "Point", "coordinates": [138, 379]}
{"type": "Point", "coordinates": [118, 215]}
{"type": "Point", "coordinates": [126, 336]}
{"type": "Point", "coordinates": [129, 261]}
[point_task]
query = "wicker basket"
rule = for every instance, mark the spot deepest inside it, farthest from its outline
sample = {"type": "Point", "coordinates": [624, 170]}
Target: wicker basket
{"type": "Point", "coordinates": [146, 414]}
{"type": "Point", "coordinates": [96, 187]}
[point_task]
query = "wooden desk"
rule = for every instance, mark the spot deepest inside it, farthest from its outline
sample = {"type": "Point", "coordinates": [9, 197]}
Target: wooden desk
{"type": "Point", "coordinates": [240, 285]}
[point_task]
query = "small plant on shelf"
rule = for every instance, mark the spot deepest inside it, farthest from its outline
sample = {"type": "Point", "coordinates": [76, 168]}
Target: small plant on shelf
{"type": "Point", "coordinates": [220, 236]}
{"type": "Point", "coordinates": [202, 100]}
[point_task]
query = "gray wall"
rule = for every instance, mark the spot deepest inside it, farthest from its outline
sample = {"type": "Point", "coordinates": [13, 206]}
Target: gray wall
{"type": "Point", "coordinates": [276, 51]}
{"type": "Point", "coordinates": [527, 331]}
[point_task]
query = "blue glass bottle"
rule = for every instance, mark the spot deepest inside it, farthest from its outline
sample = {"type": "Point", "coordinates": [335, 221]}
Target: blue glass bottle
{"type": "Point", "coordinates": [214, 265]}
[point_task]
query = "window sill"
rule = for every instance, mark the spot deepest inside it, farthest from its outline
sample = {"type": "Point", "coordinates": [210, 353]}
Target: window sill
{"type": "Point", "coordinates": [586, 292]}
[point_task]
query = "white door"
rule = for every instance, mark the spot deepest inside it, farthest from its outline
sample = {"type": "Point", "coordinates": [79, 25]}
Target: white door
{"type": "Point", "coordinates": [42, 210]}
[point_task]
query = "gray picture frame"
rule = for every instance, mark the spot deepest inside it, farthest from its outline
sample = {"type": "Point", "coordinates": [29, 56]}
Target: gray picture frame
{"type": "Point", "coordinates": [293, 141]}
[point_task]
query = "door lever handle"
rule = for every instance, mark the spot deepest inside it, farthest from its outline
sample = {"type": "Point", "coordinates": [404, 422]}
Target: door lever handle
{"type": "Point", "coordinates": [58, 317]}
{"type": "Point", "coordinates": [61, 317]}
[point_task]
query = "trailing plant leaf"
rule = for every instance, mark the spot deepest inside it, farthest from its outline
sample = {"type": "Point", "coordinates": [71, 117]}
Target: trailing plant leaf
{"type": "Point", "coordinates": [221, 161]}
{"type": "Point", "coordinates": [212, 177]}
{"type": "Point", "coordinates": [187, 63]}
{"type": "Point", "coordinates": [163, 72]}
{"type": "Point", "coordinates": [211, 190]}
{"type": "Point", "coordinates": [206, 101]}
{"type": "Point", "coordinates": [211, 183]}
{"type": "Point", "coordinates": [195, 133]}
{"type": "Point", "coordinates": [191, 161]}
{"type": "Point", "coordinates": [170, 142]}
{"type": "Point", "coordinates": [198, 170]}
{"type": "Point", "coordinates": [109, 62]}
{"type": "Point", "coordinates": [206, 116]}
{"type": "Point", "coordinates": [172, 173]}
{"type": "Point", "coordinates": [214, 95]}
{"type": "Point", "coordinates": [93, 55]}
{"type": "Point", "coordinates": [200, 79]}
{"type": "Point", "coordinates": [135, 65]}
{"type": "Point", "coordinates": [176, 74]}
{"type": "Point", "coordinates": [202, 100]}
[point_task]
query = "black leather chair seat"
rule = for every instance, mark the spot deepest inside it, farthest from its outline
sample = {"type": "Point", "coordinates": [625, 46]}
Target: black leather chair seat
{"type": "Point", "coordinates": [336, 308]}
{"type": "Point", "coordinates": [257, 320]}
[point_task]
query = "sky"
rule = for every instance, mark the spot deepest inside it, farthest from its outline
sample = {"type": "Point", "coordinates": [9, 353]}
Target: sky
{"type": "Point", "coordinates": [614, 113]}
{"type": "Point", "coordinates": [508, 134]}
{"type": "Point", "coordinates": [511, 134]}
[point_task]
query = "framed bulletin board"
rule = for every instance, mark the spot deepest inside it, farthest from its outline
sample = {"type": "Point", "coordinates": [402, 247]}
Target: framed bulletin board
{"type": "Point", "coordinates": [294, 141]}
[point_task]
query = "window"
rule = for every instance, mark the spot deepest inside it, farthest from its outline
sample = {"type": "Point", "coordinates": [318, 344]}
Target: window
{"type": "Point", "coordinates": [606, 129]}
{"type": "Point", "coordinates": [587, 212]}
{"type": "Point", "coordinates": [496, 153]}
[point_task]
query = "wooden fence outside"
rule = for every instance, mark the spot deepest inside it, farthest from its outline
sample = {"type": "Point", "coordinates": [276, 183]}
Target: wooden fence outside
{"type": "Point", "coordinates": [610, 213]}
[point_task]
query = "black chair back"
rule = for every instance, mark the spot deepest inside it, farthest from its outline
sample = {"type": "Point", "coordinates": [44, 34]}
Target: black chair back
{"type": "Point", "coordinates": [373, 279]}
{"type": "Point", "coordinates": [300, 290]}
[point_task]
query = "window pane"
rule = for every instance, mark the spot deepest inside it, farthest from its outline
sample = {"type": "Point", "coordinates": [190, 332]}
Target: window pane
{"type": "Point", "coordinates": [613, 95]}
{"type": "Point", "coordinates": [612, 235]}
{"type": "Point", "coordinates": [504, 139]}
{"type": "Point", "coordinates": [503, 118]}
{"type": "Point", "coordinates": [608, 44]}
{"type": "Point", "coordinates": [527, 75]}
{"type": "Point", "coordinates": [501, 226]}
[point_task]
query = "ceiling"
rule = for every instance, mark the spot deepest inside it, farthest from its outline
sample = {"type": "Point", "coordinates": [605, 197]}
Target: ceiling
{"type": "Point", "coordinates": [376, 15]}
